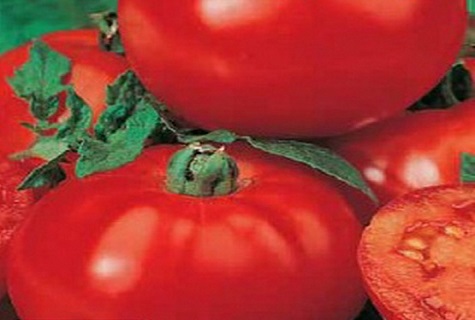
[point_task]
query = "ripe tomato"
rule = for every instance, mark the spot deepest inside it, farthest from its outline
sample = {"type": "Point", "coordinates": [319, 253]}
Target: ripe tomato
{"type": "Point", "coordinates": [14, 205]}
{"type": "Point", "coordinates": [290, 68]}
{"type": "Point", "coordinates": [409, 152]}
{"type": "Point", "coordinates": [92, 71]}
{"type": "Point", "coordinates": [417, 255]}
{"type": "Point", "coordinates": [118, 245]}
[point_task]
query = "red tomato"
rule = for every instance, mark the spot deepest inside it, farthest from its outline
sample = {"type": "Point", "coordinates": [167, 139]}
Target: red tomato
{"type": "Point", "coordinates": [120, 246]}
{"type": "Point", "coordinates": [92, 71]}
{"type": "Point", "coordinates": [290, 68]}
{"type": "Point", "coordinates": [417, 255]}
{"type": "Point", "coordinates": [409, 152]}
{"type": "Point", "coordinates": [14, 205]}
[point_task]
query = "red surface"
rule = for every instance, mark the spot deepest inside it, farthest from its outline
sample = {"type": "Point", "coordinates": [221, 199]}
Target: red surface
{"type": "Point", "coordinates": [119, 246]}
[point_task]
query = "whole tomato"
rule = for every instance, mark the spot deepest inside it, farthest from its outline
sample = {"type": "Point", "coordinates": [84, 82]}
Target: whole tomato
{"type": "Point", "coordinates": [290, 68]}
{"type": "Point", "coordinates": [412, 151]}
{"type": "Point", "coordinates": [92, 71]}
{"type": "Point", "coordinates": [417, 258]}
{"type": "Point", "coordinates": [123, 245]}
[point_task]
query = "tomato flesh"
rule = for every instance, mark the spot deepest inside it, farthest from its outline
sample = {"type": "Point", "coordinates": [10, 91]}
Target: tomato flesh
{"type": "Point", "coordinates": [119, 246]}
{"type": "Point", "coordinates": [92, 71]}
{"type": "Point", "coordinates": [290, 68]}
{"type": "Point", "coordinates": [418, 255]}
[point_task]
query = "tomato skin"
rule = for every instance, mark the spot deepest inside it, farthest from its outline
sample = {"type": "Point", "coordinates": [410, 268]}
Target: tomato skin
{"type": "Point", "coordinates": [135, 251]}
{"type": "Point", "coordinates": [409, 152]}
{"type": "Point", "coordinates": [416, 256]}
{"type": "Point", "coordinates": [14, 206]}
{"type": "Point", "coordinates": [92, 71]}
{"type": "Point", "coordinates": [290, 68]}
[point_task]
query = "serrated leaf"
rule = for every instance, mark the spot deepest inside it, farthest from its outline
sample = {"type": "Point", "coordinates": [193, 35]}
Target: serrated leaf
{"type": "Point", "coordinates": [47, 175]}
{"type": "Point", "coordinates": [218, 136]}
{"type": "Point", "coordinates": [76, 126]}
{"type": "Point", "coordinates": [122, 147]}
{"type": "Point", "coordinates": [122, 99]}
{"type": "Point", "coordinates": [467, 168]}
{"type": "Point", "coordinates": [40, 80]}
{"type": "Point", "coordinates": [319, 158]}
{"type": "Point", "coordinates": [48, 148]}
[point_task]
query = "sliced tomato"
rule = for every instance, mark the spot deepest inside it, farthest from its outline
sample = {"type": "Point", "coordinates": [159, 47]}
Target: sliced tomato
{"type": "Point", "coordinates": [418, 255]}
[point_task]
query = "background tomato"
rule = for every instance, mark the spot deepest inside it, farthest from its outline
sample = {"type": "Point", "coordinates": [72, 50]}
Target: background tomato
{"type": "Point", "coordinates": [417, 258]}
{"type": "Point", "coordinates": [92, 71]}
{"type": "Point", "coordinates": [290, 68]}
{"type": "Point", "coordinates": [119, 246]}
{"type": "Point", "coordinates": [409, 152]}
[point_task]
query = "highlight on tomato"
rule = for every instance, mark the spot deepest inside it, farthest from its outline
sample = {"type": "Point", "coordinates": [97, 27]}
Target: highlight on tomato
{"type": "Point", "coordinates": [409, 152]}
{"type": "Point", "coordinates": [92, 70]}
{"type": "Point", "coordinates": [417, 257]}
{"type": "Point", "coordinates": [290, 68]}
{"type": "Point", "coordinates": [194, 233]}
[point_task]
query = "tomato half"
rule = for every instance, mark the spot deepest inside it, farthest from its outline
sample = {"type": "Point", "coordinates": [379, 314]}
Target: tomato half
{"type": "Point", "coordinates": [290, 68]}
{"type": "Point", "coordinates": [118, 246]}
{"type": "Point", "coordinates": [14, 206]}
{"type": "Point", "coordinates": [412, 151]}
{"type": "Point", "coordinates": [92, 71]}
{"type": "Point", "coordinates": [417, 255]}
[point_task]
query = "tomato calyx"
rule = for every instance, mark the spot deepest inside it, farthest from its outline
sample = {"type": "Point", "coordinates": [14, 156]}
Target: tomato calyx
{"type": "Point", "coordinates": [202, 171]}
{"type": "Point", "coordinates": [109, 37]}
{"type": "Point", "coordinates": [454, 88]}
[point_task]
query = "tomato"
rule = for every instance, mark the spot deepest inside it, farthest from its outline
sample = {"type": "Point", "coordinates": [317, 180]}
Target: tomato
{"type": "Point", "coordinates": [120, 245]}
{"type": "Point", "coordinates": [417, 257]}
{"type": "Point", "coordinates": [92, 71]}
{"type": "Point", "coordinates": [408, 152]}
{"type": "Point", "coordinates": [290, 68]}
{"type": "Point", "coordinates": [14, 205]}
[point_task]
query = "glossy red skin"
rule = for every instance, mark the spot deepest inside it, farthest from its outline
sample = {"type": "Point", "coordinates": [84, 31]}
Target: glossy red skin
{"type": "Point", "coordinates": [290, 68]}
{"type": "Point", "coordinates": [14, 206]}
{"type": "Point", "coordinates": [412, 151]}
{"type": "Point", "coordinates": [402, 288]}
{"type": "Point", "coordinates": [234, 257]}
{"type": "Point", "coordinates": [92, 71]}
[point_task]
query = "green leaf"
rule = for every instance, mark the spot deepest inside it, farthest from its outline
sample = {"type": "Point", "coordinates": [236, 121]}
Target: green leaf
{"type": "Point", "coordinates": [47, 175]}
{"type": "Point", "coordinates": [48, 148]}
{"type": "Point", "coordinates": [121, 147]}
{"type": "Point", "coordinates": [218, 136]}
{"type": "Point", "coordinates": [40, 80]}
{"type": "Point", "coordinates": [467, 168]}
{"type": "Point", "coordinates": [75, 129]}
{"type": "Point", "coordinates": [316, 157]}
{"type": "Point", "coordinates": [122, 98]}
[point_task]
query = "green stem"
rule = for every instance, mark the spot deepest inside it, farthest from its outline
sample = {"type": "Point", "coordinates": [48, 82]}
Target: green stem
{"type": "Point", "coordinates": [202, 171]}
